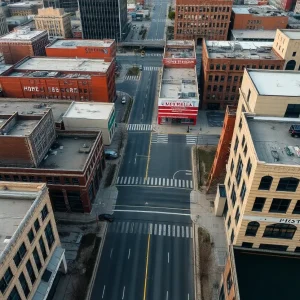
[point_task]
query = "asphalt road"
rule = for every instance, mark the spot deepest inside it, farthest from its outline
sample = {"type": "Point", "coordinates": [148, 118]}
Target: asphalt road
{"type": "Point", "coordinates": [158, 21]}
{"type": "Point", "coordinates": [148, 60]}
{"type": "Point", "coordinates": [142, 110]}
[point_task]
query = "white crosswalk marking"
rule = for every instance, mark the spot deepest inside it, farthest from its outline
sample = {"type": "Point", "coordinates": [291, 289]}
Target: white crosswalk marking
{"type": "Point", "coordinates": [178, 231]}
{"type": "Point", "coordinates": [159, 229]}
{"type": "Point", "coordinates": [135, 78]}
{"type": "Point", "coordinates": [191, 139]}
{"type": "Point", "coordinates": [187, 231]}
{"type": "Point", "coordinates": [155, 229]}
{"type": "Point", "coordinates": [182, 231]}
{"type": "Point", "coordinates": [173, 230]}
{"type": "Point", "coordinates": [154, 54]}
{"type": "Point", "coordinates": [159, 138]}
{"type": "Point", "coordinates": [164, 229]}
{"type": "Point", "coordinates": [139, 127]}
{"type": "Point", "coordinates": [150, 228]}
{"type": "Point", "coordinates": [169, 230]}
{"type": "Point", "coordinates": [155, 181]}
{"type": "Point", "coordinates": [151, 68]}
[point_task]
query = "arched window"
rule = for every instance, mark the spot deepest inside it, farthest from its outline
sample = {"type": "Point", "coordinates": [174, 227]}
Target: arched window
{"type": "Point", "coordinates": [288, 184]}
{"type": "Point", "coordinates": [252, 228]}
{"type": "Point", "coordinates": [280, 231]}
{"type": "Point", "coordinates": [265, 183]}
{"type": "Point", "coordinates": [291, 64]}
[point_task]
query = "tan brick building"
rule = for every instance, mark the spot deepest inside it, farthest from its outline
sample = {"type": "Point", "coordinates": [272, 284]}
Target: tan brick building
{"type": "Point", "coordinates": [263, 17]}
{"type": "Point", "coordinates": [262, 172]}
{"type": "Point", "coordinates": [195, 19]}
{"type": "Point", "coordinates": [30, 249]}
{"type": "Point", "coordinates": [55, 21]}
{"type": "Point", "coordinates": [287, 46]}
{"type": "Point", "coordinates": [223, 64]}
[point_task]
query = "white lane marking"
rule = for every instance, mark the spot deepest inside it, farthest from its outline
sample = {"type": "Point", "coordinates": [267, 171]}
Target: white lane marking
{"type": "Point", "coordinates": [187, 231]}
{"type": "Point", "coordinates": [182, 231]}
{"type": "Point", "coordinates": [125, 180]}
{"type": "Point", "coordinates": [150, 228]}
{"type": "Point", "coordinates": [151, 212]}
{"type": "Point", "coordinates": [175, 182]}
{"type": "Point", "coordinates": [155, 181]}
{"type": "Point", "coordinates": [111, 251]}
{"type": "Point", "coordinates": [148, 180]}
{"type": "Point", "coordinates": [127, 227]}
{"type": "Point", "coordinates": [159, 181]}
{"type": "Point", "coordinates": [129, 253]}
{"type": "Point", "coordinates": [129, 179]}
{"type": "Point", "coordinates": [178, 231]}
{"type": "Point", "coordinates": [118, 180]}
{"type": "Point", "coordinates": [163, 181]}
{"type": "Point", "coordinates": [169, 230]}
{"type": "Point", "coordinates": [188, 296]}
{"type": "Point", "coordinates": [151, 180]}
{"type": "Point", "coordinates": [167, 295]}
{"type": "Point", "coordinates": [121, 180]}
{"type": "Point", "coordinates": [155, 229]}
{"type": "Point", "coordinates": [123, 293]}
{"type": "Point", "coordinates": [167, 181]}
{"type": "Point", "coordinates": [168, 257]}
{"type": "Point", "coordinates": [103, 292]}
{"type": "Point", "coordinates": [159, 229]}
{"type": "Point", "coordinates": [164, 229]}
{"type": "Point", "coordinates": [173, 230]}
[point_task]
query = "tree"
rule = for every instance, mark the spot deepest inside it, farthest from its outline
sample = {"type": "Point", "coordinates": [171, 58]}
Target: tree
{"type": "Point", "coordinates": [171, 15]}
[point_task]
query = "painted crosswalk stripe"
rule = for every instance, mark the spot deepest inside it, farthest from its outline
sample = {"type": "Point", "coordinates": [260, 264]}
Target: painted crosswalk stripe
{"type": "Point", "coordinates": [182, 231]}
{"type": "Point", "coordinates": [164, 229]}
{"type": "Point", "coordinates": [183, 183]}
{"type": "Point", "coordinates": [173, 231]}
{"type": "Point", "coordinates": [187, 231]}
{"type": "Point", "coordinates": [150, 228]}
{"type": "Point", "coordinates": [169, 230]}
{"type": "Point", "coordinates": [178, 231]}
{"type": "Point", "coordinates": [155, 181]}
{"type": "Point", "coordinates": [155, 229]}
{"type": "Point", "coordinates": [159, 229]}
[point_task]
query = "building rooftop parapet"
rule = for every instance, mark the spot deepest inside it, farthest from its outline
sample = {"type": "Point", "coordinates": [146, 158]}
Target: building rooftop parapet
{"type": "Point", "coordinates": [260, 11]}
{"type": "Point", "coordinates": [72, 44]}
{"type": "Point", "coordinates": [22, 34]}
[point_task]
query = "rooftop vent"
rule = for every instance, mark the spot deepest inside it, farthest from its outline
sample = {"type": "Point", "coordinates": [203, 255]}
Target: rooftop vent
{"type": "Point", "coordinates": [85, 148]}
{"type": "Point", "coordinates": [68, 44]}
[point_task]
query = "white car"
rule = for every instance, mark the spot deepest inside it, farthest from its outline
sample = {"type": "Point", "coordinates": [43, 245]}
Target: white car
{"type": "Point", "coordinates": [124, 100]}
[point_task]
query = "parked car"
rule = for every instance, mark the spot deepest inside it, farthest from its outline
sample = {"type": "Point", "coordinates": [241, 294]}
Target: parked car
{"type": "Point", "coordinates": [111, 154]}
{"type": "Point", "coordinates": [141, 67]}
{"type": "Point", "coordinates": [106, 217]}
{"type": "Point", "coordinates": [295, 130]}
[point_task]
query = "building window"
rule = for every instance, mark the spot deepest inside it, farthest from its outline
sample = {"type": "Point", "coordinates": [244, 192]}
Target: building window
{"type": "Point", "coordinates": [67, 180]}
{"type": "Point", "coordinates": [237, 215]}
{"type": "Point", "coordinates": [297, 249]}
{"type": "Point", "coordinates": [37, 259]}
{"type": "Point", "coordinates": [229, 222]}
{"type": "Point", "coordinates": [232, 236]}
{"type": "Point", "coordinates": [265, 183]}
{"type": "Point", "coordinates": [233, 196]}
{"type": "Point", "coordinates": [229, 183]}
{"type": "Point", "coordinates": [231, 166]}
{"type": "Point", "coordinates": [273, 247]}
{"type": "Point", "coordinates": [294, 53]}
{"type": "Point", "coordinates": [20, 254]}
{"type": "Point", "coordinates": [252, 228]}
{"type": "Point", "coordinates": [243, 191]}
{"type": "Point", "coordinates": [288, 184]}
{"type": "Point", "coordinates": [280, 231]}
{"type": "Point", "coordinates": [225, 211]}
{"type": "Point", "coordinates": [247, 245]}
{"type": "Point", "coordinates": [211, 67]}
{"type": "Point", "coordinates": [236, 144]}
{"type": "Point", "coordinates": [258, 204]}
{"type": "Point", "coordinates": [297, 208]}
{"type": "Point", "coordinates": [43, 249]}
{"type": "Point", "coordinates": [49, 235]}
{"type": "Point", "coordinates": [44, 212]}
{"type": "Point", "coordinates": [239, 170]}
{"type": "Point", "coordinates": [280, 205]}
{"type": "Point", "coordinates": [24, 284]}
{"type": "Point", "coordinates": [210, 78]}
{"type": "Point", "coordinates": [30, 235]}
{"type": "Point", "coordinates": [14, 295]}
{"type": "Point", "coordinates": [229, 282]}
{"type": "Point", "coordinates": [245, 150]}
{"type": "Point", "coordinates": [236, 78]}
{"type": "Point", "coordinates": [249, 167]}
{"type": "Point", "coordinates": [37, 225]}
{"type": "Point", "coordinates": [75, 181]}
{"type": "Point", "coordinates": [30, 272]}
{"type": "Point", "coordinates": [243, 141]}
{"type": "Point", "coordinates": [231, 67]}
{"type": "Point", "coordinates": [5, 280]}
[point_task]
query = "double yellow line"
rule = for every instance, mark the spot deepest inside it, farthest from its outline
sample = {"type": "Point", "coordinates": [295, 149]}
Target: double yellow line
{"type": "Point", "coordinates": [146, 272]}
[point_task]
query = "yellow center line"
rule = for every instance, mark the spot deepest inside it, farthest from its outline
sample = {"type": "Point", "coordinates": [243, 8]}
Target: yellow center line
{"type": "Point", "coordinates": [148, 161]}
{"type": "Point", "coordinates": [146, 272]}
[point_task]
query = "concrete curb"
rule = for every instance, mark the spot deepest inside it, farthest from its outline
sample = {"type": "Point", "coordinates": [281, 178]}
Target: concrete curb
{"type": "Point", "coordinates": [91, 284]}
{"type": "Point", "coordinates": [197, 280]}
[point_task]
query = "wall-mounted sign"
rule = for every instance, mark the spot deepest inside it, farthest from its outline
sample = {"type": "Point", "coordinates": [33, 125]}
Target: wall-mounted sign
{"type": "Point", "coordinates": [178, 103]}
{"type": "Point", "coordinates": [50, 89]}
{"type": "Point", "coordinates": [91, 50]}
{"type": "Point", "coordinates": [178, 61]}
{"type": "Point", "coordinates": [272, 220]}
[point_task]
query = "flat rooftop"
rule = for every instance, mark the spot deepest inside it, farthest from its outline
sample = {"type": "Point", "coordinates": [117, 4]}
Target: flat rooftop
{"type": "Point", "coordinates": [4, 67]}
{"type": "Point", "coordinates": [91, 111]}
{"type": "Point", "coordinates": [33, 107]}
{"type": "Point", "coordinates": [180, 43]}
{"type": "Point", "coordinates": [271, 136]}
{"type": "Point", "coordinates": [63, 64]}
{"type": "Point", "coordinates": [19, 36]}
{"type": "Point", "coordinates": [175, 81]}
{"type": "Point", "coordinates": [254, 34]}
{"type": "Point", "coordinates": [12, 212]}
{"type": "Point", "coordinates": [180, 51]}
{"type": "Point", "coordinates": [241, 50]}
{"type": "Point", "coordinates": [262, 10]}
{"type": "Point", "coordinates": [22, 127]}
{"type": "Point", "coordinates": [73, 44]}
{"type": "Point", "coordinates": [267, 270]}
{"type": "Point", "coordinates": [292, 34]}
{"type": "Point", "coordinates": [276, 83]}
{"type": "Point", "coordinates": [66, 154]}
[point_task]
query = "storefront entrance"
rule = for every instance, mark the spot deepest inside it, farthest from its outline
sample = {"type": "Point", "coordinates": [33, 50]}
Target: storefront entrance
{"type": "Point", "coordinates": [175, 121]}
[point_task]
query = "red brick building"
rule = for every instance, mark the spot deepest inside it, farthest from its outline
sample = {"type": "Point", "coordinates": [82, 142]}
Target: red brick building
{"type": "Point", "coordinates": [22, 42]}
{"type": "Point", "coordinates": [71, 163]}
{"type": "Point", "coordinates": [197, 19]}
{"type": "Point", "coordinates": [178, 100]}
{"type": "Point", "coordinates": [223, 64]}
{"type": "Point", "coordinates": [263, 17]}
{"type": "Point", "coordinates": [60, 78]}
{"type": "Point", "coordinates": [94, 49]}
